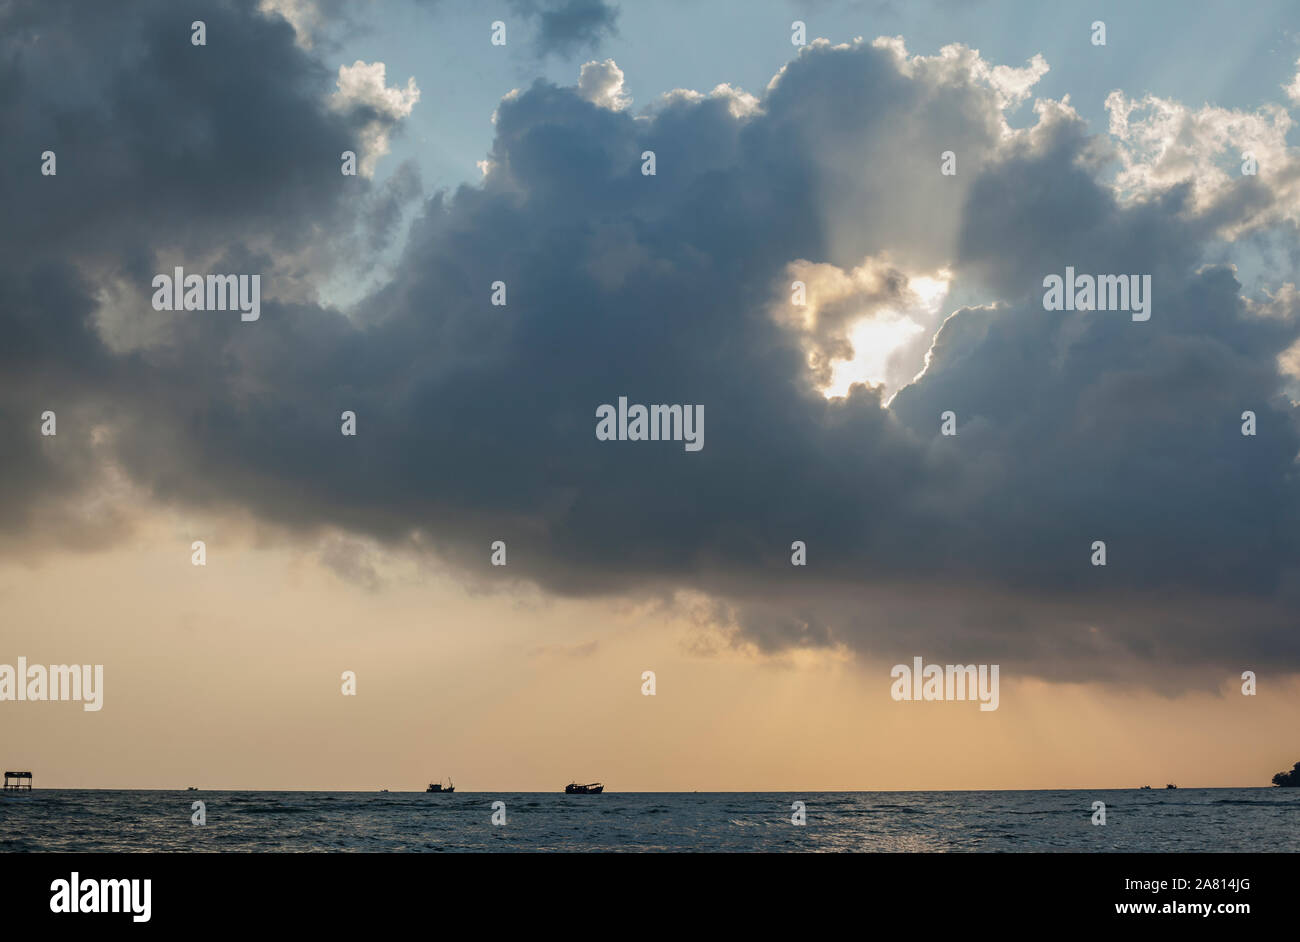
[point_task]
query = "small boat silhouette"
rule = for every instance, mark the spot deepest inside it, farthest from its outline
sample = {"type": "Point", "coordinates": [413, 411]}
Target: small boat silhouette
{"type": "Point", "coordinates": [573, 788]}
{"type": "Point", "coordinates": [439, 787]}
{"type": "Point", "coordinates": [1171, 786]}
{"type": "Point", "coordinates": [1145, 788]}
{"type": "Point", "coordinates": [191, 789]}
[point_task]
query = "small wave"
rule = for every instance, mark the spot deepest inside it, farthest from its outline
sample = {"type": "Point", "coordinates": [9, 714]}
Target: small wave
{"type": "Point", "coordinates": [1261, 804]}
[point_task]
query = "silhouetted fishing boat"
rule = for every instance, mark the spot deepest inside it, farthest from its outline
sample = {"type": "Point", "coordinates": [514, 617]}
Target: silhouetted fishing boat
{"type": "Point", "coordinates": [1171, 786]}
{"type": "Point", "coordinates": [439, 787]}
{"type": "Point", "coordinates": [573, 788]}
{"type": "Point", "coordinates": [1146, 788]}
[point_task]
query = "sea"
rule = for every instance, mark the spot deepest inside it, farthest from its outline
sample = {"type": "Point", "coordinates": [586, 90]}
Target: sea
{"type": "Point", "coordinates": [1182, 820]}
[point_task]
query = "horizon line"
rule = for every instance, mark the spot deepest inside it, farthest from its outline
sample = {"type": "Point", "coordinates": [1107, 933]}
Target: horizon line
{"type": "Point", "coordinates": [700, 791]}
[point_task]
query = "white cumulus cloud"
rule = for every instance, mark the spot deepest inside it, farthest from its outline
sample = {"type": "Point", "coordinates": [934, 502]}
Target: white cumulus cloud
{"type": "Point", "coordinates": [601, 83]}
{"type": "Point", "coordinates": [364, 85]}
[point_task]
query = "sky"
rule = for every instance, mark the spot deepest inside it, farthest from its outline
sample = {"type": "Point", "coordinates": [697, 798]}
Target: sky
{"type": "Point", "coordinates": [475, 583]}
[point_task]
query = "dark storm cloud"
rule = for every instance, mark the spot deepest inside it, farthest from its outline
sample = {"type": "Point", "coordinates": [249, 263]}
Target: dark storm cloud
{"type": "Point", "coordinates": [165, 152]}
{"type": "Point", "coordinates": [563, 28]}
{"type": "Point", "coordinates": [567, 27]}
{"type": "Point", "coordinates": [476, 423]}
{"type": "Point", "coordinates": [140, 118]}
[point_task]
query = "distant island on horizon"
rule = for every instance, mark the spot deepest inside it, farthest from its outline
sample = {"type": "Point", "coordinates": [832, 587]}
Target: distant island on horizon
{"type": "Point", "coordinates": [1288, 779]}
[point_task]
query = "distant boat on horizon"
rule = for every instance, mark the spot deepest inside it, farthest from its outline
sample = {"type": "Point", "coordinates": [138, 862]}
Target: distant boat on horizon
{"type": "Point", "coordinates": [573, 788]}
{"type": "Point", "coordinates": [438, 787]}
{"type": "Point", "coordinates": [1171, 786]}
{"type": "Point", "coordinates": [1145, 788]}
{"type": "Point", "coordinates": [191, 789]}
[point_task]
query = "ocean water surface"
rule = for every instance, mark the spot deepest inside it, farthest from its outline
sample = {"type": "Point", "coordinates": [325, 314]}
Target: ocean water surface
{"type": "Point", "coordinates": [1187, 819]}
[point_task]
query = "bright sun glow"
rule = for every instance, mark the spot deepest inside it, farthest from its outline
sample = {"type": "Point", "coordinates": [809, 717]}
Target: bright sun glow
{"type": "Point", "coordinates": [931, 291]}
{"type": "Point", "coordinates": [876, 339]}
{"type": "Point", "coordinates": [874, 342]}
